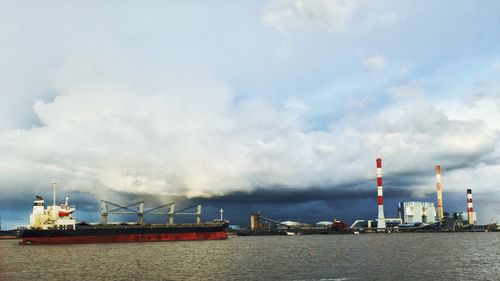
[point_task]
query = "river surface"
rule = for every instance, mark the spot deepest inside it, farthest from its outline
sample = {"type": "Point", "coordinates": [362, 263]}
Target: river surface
{"type": "Point", "coordinates": [429, 256]}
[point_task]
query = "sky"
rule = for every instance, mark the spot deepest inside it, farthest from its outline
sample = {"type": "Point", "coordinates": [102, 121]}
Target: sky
{"type": "Point", "coordinates": [279, 107]}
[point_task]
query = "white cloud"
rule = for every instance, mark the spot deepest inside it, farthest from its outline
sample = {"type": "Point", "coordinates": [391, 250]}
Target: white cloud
{"type": "Point", "coordinates": [375, 62]}
{"type": "Point", "coordinates": [486, 108]}
{"type": "Point", "coordinates": [195, 139]}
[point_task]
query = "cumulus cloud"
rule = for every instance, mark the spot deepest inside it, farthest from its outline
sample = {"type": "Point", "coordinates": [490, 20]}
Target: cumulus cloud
{"type": "Point", "coordinates": [197, 139]}
{"type": "Point", "coordinates": [416, 130]}
{"type": "Point", "coordinates": [483, 107]}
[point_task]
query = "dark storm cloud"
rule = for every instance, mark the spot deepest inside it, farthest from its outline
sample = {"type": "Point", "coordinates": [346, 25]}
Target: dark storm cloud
{"type": "Point", "coordinates": [347, 202]}
{"type": "Point", "coordinates": [282, 195]}
{"type": "Point", "coordinates": [456, 162]}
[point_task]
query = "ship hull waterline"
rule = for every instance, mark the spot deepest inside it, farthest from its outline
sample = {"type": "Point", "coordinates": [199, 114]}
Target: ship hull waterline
{"type": "Point", "coordinates": [124, 233]}
{"type": "Point", "coordinates": [125, 238]}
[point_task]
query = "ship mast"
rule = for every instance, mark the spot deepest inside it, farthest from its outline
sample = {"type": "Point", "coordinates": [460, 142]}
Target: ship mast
{"type": "Point", "coordinates": [55, 186]}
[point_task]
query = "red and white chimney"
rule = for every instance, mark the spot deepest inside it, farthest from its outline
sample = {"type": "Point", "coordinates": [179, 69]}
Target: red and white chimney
{"type": "Point", "coordinates": [470, 209]}
{"type": "Point", "coordinates": [439, 194]}
{"type": "Point", "coordinates": [380, 193]}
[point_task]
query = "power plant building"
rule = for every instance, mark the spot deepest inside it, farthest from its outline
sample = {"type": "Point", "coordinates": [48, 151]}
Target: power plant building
{"type": "Point", "coordinates": [417, 212]}
{"type": "Point", "coordinates": [464, 217]}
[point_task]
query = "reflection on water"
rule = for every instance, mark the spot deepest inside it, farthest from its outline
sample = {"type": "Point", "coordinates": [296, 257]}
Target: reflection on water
{"type": "Point", "coordinates": [435, 256]}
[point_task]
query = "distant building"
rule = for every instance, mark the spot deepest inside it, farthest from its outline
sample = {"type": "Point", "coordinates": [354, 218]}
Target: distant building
{"type": "Point", "coordinates": [462, 216]}
{"type": "Point", "coordinates": [324, 224]}
{"type": "Point", "coordinates": [294, 224]}
{"type": "Point", "coordinates": [373, 224]}
{"type": "Point", "coordinates": [417, 212]}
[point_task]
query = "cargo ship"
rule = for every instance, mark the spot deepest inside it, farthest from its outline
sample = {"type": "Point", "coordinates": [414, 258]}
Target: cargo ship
{"type": "Point", "coordinates": [56, 225]}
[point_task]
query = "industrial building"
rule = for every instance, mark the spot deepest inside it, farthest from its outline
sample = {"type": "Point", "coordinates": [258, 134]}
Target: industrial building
{"type": "Point", "coordinates": [413, 216]}
{"type": "Point", "coordinates": [324, 224]}
{"type": "Point", "coordinates": [417, 212]}
{"type": "Point", "coordinates": [294, 224]}
{"type": "Point", "coordinates": [373, 224]}
{"type": "Point", "coordinates": [463, 217]}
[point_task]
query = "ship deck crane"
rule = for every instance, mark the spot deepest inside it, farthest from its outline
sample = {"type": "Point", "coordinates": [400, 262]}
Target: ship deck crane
{"type": "Point", "coordinates": [141, 212]}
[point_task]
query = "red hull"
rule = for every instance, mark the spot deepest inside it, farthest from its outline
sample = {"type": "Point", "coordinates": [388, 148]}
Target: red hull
{"type": "Point", "coordinates": [127, 238]}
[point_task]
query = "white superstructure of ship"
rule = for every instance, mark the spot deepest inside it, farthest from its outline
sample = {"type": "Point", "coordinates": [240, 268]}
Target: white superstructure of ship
{"type": "Point", "coordinates": [52, 217]}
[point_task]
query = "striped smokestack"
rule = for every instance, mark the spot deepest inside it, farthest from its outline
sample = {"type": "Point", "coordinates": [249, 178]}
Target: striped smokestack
{"type": "Point", "coordinates": [470, 210]}
{"type": "Point", "coordinates": [381, 218]}
{"type": "Point", "coordinates": [439, 194]}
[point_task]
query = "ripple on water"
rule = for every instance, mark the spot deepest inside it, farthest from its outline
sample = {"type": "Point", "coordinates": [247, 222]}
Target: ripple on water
{"type": "Point", "coordinates": [434, 256]}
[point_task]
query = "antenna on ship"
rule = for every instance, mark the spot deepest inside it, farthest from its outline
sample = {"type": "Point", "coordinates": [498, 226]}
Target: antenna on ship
{"type": "Point", "coordinates": [55, 186]}
{"type": "Point", "coordinates": [221, 214]}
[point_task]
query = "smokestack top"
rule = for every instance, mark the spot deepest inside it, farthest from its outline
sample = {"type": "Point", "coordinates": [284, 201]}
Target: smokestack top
{"type": "Point", "coordinates": [469, 191]}
{"type": "Point", "coordinates": [438, 169]}
{"type": "Point", "coordinates": [379, 163]}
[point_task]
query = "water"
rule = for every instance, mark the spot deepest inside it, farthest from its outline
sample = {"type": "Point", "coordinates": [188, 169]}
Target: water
{"type": "Point", "coordinates": [434, 256]}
